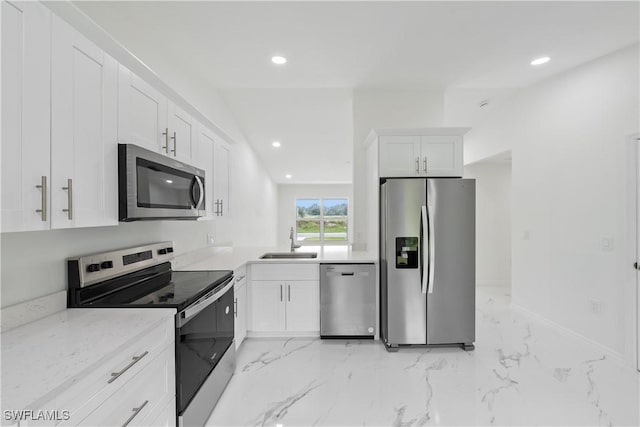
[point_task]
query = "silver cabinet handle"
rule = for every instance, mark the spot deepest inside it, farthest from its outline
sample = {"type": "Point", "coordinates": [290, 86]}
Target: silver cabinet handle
{"type": "Point", "coordinates": [221, 207]}
{"type": "Point", "coordinates": [175, 142]}
{"type": "Point", "coordinates": [417, 164]}
{"type": "Point", "coordinates": [136, 411]}
{"type": "Point", "coordinates": [280, 293]}
{"type": "Point", "coordinates": [166, 140]}
{"type": "Point", "coordinates": [289, 293]}
{"type": "Point", "coordinates": [43, 187]}
{"type": "Point", "coordinates": [235, 307]}
{"type": "Point", "coordinates": [69, 189]}
{"type": "Point", "coordinates": [424, 164]}
{"type": "Point", "coordinates": [135, 359]}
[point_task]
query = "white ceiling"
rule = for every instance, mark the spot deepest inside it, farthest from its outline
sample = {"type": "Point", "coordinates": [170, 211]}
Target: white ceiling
{"type": "Point", "coordinates": [335, 47]}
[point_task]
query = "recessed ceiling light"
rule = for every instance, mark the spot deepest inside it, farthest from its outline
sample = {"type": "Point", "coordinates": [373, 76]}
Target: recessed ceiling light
{"type": "Point", "coordinates": [276, 144]}
{"type": "Point", "coordinates": [278, 60]}
{"type": "Point", "coordinates": [288, 176]}
{"type": "Point", "coordinates": [540, 61]}
{"type": "Point", "coordinates": [169, 181]}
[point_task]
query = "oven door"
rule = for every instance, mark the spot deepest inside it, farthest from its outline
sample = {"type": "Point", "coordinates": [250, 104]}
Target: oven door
{"type": "Point", "coordinates": [153, 186]}
{"type": "Point", "coordinates": [204, 333]}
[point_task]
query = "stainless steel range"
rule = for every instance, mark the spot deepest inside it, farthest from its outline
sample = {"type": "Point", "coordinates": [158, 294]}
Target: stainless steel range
{"type": "Point", "coordinates": [142, 277]}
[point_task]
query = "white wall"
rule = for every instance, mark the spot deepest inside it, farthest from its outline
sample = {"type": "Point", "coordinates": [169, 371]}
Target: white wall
{"type": "Point", "coordinates": [493, 222]}
{"type": "Point", "coordinates": [287, 195]}
{"type": "Point", "coordinates": [567, 137]}
{"type": "Point", "coordinates": [385, 109]}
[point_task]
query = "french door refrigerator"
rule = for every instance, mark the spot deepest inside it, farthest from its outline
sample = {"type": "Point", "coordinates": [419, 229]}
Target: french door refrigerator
{"type": "Point", "coordinates": [427, 262]}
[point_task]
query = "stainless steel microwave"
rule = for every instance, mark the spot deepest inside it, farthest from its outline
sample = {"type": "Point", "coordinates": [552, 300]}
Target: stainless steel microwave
{"type": "Point", "coordinates": [152, 186]}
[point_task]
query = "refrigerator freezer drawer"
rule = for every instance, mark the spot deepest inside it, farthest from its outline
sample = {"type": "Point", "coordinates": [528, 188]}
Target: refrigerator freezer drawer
{"type": "Point", "coordinates": [347, 300]}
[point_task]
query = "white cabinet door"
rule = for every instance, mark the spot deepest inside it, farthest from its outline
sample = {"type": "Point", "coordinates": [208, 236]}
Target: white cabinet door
{"type": "Point", "coordinates": [84, 126]}
{"type": "Point", "coordinates": [399, 156]}
{"type": "Point", "coordinates": [240, 329]}
{"type": "Point", "coordinates": [268, 307]}
{"type": "Point", "coordinates": [142, 114]}
{"type": "Point", "coordinates": [303, 306]}
{"type": "Point", "coordinates": [182, 133]}
{"type": "Point", "coordinates": [203, 158]}
{"type": "Point", "coordinates": [26, 107]}
{"type": "Point", "coordinates": [441, 155]}
{"type": "Point", "coordinates": [221, 181]}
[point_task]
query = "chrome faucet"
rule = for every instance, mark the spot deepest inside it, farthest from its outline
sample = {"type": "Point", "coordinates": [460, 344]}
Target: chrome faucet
{"type": "Point", "coordinates": [294, 245]}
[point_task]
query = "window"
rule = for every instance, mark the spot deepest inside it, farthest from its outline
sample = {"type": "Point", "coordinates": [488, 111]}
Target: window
{"type": "Point", "coordinates": [322, 220]}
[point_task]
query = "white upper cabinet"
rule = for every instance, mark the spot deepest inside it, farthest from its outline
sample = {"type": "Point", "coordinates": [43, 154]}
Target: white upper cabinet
{"type": "Point", "coordinates": [432, 152]}
{"type": "Point", "coordinates": [182, 128]}
{"type": "Point", "coordinates": [83, 131]}
{"type": "Point", "coordinates": [205, 142]}
{"type": "Point", "coordinates": [149, 119]}
{"type": "Point", "coordinates": [399, 156]}
{"type": "Point", "coordinates": [221, 178]}
{"type": "Point", "coordinates": [142, 114]}
{"type": "Point", "coordinates": [26, 108]}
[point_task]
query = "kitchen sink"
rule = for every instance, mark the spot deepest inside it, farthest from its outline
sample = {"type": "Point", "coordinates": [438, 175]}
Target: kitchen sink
{"type": "Point", "coordinates": [289, 255]}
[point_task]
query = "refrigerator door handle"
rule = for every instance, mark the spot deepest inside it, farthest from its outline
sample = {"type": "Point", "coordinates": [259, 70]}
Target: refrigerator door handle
{"type": "Point", "coordinates": [425, 238]}
{"type": "Point", "coordinates": [432, 248]}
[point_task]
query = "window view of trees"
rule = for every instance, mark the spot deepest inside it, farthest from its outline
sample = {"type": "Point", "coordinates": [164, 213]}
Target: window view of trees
{"type": "Point", "coordinates": [321, 219]}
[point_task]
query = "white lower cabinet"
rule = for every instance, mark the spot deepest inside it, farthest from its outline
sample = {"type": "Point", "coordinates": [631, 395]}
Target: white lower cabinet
{"type": "Point", "coordinates": [287, 305]}
{"type": "Point", "coordinates": [137, 401]}
{"type": "Point", "coordinates": [134, 386]}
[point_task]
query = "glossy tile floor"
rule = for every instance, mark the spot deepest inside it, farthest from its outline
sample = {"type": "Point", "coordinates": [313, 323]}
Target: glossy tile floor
{"type": "Point", "coordinates": [521, 373]}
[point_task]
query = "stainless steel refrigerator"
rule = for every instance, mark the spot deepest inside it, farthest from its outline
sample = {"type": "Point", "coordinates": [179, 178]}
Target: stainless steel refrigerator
{"type": "Point", "coordinates": [427, 262]}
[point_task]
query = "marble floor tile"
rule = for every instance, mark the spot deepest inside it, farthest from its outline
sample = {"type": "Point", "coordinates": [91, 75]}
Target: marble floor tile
{"type": "Point", "coordinates": [521, 373]}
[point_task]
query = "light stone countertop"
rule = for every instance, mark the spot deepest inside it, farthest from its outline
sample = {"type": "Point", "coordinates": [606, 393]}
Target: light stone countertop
{"type": "Point", "coordinates": [42, 358]}
{"type": "Point", "coordinates": [231, 258]}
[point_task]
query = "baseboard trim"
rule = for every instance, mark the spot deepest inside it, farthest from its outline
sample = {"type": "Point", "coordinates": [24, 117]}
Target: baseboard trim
{"type": "Point", "coordinates": [611, 353]}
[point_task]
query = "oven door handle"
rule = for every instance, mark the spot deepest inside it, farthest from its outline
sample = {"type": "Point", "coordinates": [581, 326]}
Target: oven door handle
{"type": "Point", "coordinates": [190, 312]}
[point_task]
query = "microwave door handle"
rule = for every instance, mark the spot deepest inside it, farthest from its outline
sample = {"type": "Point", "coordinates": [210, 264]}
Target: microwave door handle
{"type": "Point", "coordinates": [425, 239]}
{"type": "Point", "coordinates": [197, 203]}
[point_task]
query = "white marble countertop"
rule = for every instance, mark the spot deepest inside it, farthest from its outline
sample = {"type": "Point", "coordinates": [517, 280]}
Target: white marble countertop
{"type": "Point", "coordinates": [230, 258]}
{"type": "Point", "coordinates": [42, 358]}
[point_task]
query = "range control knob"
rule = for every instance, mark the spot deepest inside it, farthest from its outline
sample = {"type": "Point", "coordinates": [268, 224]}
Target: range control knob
{"type": "Point", "coordinates": [106, 264]}
{"type": "Point", "coordinates": [162, 251]}
{"type": "Point", "coordinates": [91, 268]}
{"type": "Point", "coordinates": [169, 250]}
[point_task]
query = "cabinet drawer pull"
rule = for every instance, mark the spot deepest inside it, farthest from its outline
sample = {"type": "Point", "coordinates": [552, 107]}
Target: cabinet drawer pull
{"type": "Point", "coordinates": [69, 189]}
{"type": "Point", "coordinates": [136, 411]}
{"type": "Point", "coordinates": [424, 163]}
{"type": "Point", "coordinates": [43, 210]}
{"type": "Point", "coordinates": [175, 142]}
{"type": "Point", "coordinates": [280, 293]}
{"type": "Point", "coordinates": [135, 359]}
{"type": "Point", "coordinates": [417, 164]}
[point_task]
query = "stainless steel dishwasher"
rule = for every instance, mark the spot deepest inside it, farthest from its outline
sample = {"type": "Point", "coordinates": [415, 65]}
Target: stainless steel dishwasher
{"type": "Point", "coordinates": [347, 300]}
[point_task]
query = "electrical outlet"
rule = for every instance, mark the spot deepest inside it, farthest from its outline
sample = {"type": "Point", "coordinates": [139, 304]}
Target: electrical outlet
{"type": "Point", "coordinates": [606, 244]}
{"type": "Point", "coordinates": [210, 239]}
{"type": "Point", "coordinates": [595, 306]}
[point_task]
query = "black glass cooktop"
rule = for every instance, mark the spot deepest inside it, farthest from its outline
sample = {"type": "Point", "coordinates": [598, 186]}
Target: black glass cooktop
{"type": "Point", "coordinates": [163, 289]}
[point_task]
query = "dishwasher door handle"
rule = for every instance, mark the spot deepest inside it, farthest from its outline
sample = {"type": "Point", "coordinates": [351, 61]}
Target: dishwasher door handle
{"type": "Point", "coordinates": [347, 274]}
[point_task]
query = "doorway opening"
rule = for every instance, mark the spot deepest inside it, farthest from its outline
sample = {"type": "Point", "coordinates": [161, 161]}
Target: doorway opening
{"type": "Point", "coordinates": [493, 221]}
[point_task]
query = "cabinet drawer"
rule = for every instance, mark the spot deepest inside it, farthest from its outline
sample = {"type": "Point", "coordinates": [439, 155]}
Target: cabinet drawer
{"type": "Point", "coordinates": [83, 397]}
{"type": "Point", "coordinates": [138, 400]}
{"type": "Point", "coordinates": [284, 272]}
